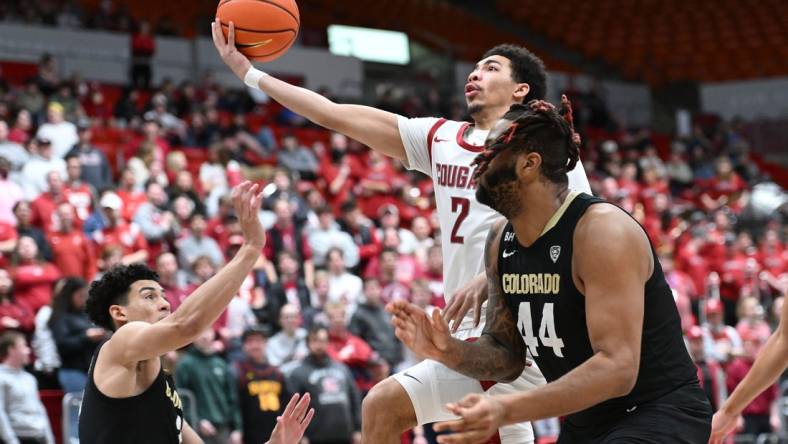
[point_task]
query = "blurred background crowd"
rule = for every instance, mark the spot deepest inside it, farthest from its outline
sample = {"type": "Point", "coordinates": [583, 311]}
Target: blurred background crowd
{"type": "Point", "coordinates": [94, 175]}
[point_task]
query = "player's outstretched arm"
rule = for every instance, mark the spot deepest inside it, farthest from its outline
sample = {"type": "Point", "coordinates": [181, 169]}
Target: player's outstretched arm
{"type": "Point", "coordinates": [140, 341]}
{"type": "Point", "coordinates": [498, 355]}
{"type": "Point", "coordinates": [375, 128]}
{"type": "Point", "coordinates": [769, 365]}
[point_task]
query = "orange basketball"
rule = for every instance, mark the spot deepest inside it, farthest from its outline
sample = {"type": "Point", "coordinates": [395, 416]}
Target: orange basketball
{"type": "Point", "coordinates": [264, 29]}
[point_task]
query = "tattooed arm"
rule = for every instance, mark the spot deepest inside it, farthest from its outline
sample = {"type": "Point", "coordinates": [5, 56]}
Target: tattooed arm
{"type": "Point", "coordinates": [498, 355]}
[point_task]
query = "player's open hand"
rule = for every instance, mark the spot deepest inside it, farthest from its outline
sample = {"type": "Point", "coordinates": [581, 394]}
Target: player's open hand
{"type": "Point", "coordinates": [469, 297]}
{"type": "Point", "coordinates": [480, 418]}
{"type": "Point", "coordinates": [426, 335]}
{"type": "Point", "coordinates": [246, 201]}
{"type": "Point", "coordinates": [230, 55]}
{"type": "Point", "coordinates": [291, 425]}
{"type": "Point", "coordinates": [722, 424]}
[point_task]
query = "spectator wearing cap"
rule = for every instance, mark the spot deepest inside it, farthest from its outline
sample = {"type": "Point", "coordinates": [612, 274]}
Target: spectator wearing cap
{"type": "Point", "coordinates": [95, 169]}
{"type": "Point", "coordinates": [328, 236]}
{"type": "Point", "coordinates": [34, 175]}
{"type": "Point", "coordinates": [25, 227]}
{"type": "Point", "coordinates": [343, 287]}
{"type": "Point", "coordinates": [289, 344]}
{"type": "Point", "coordinates": [298, 158]}
{"type": "Point", "coordinates": [61, 132]}
{"type": "Point", "coordinates": [116, 231]}
{"type": "Point", "coordinates": [10, 193]}
{"type": "Point", "coordinates": [73, 253]}
{"type": "Point", "coordinates": [710, 373]}
{"type": "Point", "coordinates": [362, 231]}
{"type": "Point", "coordinates": [287, 235]}
{"type": "Point", "coordinates": [759, 416]}
{"type": "Point", "coordinates": [262, 388]}
{"type": "Point", "coordinates": [12, 151]}
{"type": "Point", "coordinates": [78, 193]}
{"type": "Point", "coordinates": [44, 206]}
{"type": "Point", "coordinates": [726, 340]}
{"type": "Point", "coordinates": [389, 219]}
{"type": "Point", "coordinates": [33, 276]}
{"type": "Point", "coordinates": [372, 323]}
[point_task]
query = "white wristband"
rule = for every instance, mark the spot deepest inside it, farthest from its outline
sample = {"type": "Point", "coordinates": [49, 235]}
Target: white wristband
{"type": "Point", "coordinates": [253, 76]}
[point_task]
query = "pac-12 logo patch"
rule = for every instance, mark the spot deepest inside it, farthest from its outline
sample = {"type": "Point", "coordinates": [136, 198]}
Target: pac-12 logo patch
{"type": "Point", "coordinates": [555, 251]}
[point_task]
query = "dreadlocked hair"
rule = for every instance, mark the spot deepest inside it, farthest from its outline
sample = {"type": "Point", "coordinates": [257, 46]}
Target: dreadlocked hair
{"type": "Point", "coordinates": [538, 127]}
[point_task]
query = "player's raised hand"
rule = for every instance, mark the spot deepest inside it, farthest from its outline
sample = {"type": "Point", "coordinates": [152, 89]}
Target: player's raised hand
{"type": "Point", "coordinates": [295, 419]}
{"type": "Point", "coordinates": [480, 417]}
{"type": "Point", "coordinates": [469, 297]}
{"type": "Point", "coordinates": [230, 55]}
{"type": "Point", "coordinates": [246, 201]}
{"type": "Point", "coordinates": [722, 424]}
{"type": "Point", "coordinates": [426, 335]}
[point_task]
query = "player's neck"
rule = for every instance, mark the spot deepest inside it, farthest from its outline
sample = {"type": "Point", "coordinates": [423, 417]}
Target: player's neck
{"type": "Point", "coordinates": [484, 119]}
{"type": "Point", "coordinates": [538, 204]}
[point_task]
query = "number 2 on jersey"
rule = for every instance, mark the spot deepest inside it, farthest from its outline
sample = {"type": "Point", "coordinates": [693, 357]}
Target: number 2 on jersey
{"type": "Point", "coordinates": [464, 206]}
{"type": "Point", "coordinates": [547, 332]}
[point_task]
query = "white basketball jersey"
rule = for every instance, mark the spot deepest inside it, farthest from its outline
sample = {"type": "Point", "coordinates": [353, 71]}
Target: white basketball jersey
{"type": "Point", "coordinates": [441, 149]}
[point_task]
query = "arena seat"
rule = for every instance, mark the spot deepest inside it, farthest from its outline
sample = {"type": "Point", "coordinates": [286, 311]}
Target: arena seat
{"type": "Point", "coordinates": [670, 40]}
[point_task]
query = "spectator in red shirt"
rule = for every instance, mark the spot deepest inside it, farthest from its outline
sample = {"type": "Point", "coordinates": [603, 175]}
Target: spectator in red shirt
{"type": "Point", "coordinates": [348, 348]}
{"type": "Point", "coordinates": [339, 172]}
{"type": "Point", "coordinates": [287, 235]}
{"type": "Point", "coordinates": [78, 193]}
{"type": "Point", "coordinates": [377, 187]}
{"type": "Point", "coordinates": [726, 188]}
{"type": "Point", "coordinates": [385, 268]}
{"type": "Point", "coordinates": [131, 197]}
{"type": "Point", "coordinates": [758, 416]}
{"type": "Point", "coordinates": [33, 277]}
{"type": "Point", "coordinates": [117, 231]}
{"type": "Point", "coordinates": [684, 291]}
{"type": "Point", "coordinates": [14, 315]}
{"type": "Point", "coordinates": [73, 253]}
{"type": "Point", "coordinates": [752, 319]}
{"type": "Point", "coordinates": [710, 373]}
{"type": "Point", "coordinates": [627, 180]}
{"type": "Point", "coordinates": [44, 206]}
{"type": "Point", "coordinates": [773, 255]}
{"type": "Point", "coordinates": [694, 264]}
{"type": "Point", "coordinates": [143, 47]}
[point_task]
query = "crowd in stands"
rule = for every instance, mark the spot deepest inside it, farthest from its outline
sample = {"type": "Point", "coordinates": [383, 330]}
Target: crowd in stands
{"type": "Point", "coordinates": [88, 182]}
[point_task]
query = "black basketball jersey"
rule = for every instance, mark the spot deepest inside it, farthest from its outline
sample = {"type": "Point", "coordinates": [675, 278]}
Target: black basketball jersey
{"type": "Point", "coordinates": [550, 311]}
{"type": "Point", "coordinates": [155, 416]}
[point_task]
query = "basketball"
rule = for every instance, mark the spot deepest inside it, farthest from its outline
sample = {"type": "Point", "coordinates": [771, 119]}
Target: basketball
{"type": "Point", "coordinates": [264, 29]}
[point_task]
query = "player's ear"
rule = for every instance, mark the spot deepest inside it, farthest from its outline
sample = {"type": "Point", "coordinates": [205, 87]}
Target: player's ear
{"type": "Point", "coordinates": [528, 165]}
{"type": "Point", "coordinates": [118, 313]}
{"type": "Point", "coordinates": [521, 92]}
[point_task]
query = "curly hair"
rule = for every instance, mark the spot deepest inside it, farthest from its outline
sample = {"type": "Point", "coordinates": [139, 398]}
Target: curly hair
{"type": "Point", "coordinates": [113, 289]}
{"type": "Point", "coordinates": [538, 127]}
{"type": "Point", "coordinates": [526, 68]}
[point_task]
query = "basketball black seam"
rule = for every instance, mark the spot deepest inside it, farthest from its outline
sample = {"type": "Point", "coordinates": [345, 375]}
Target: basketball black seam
{"type": "Point", "coordinates": [262, 31]}
{"type": "Point", "coordinates": [273, 4]}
